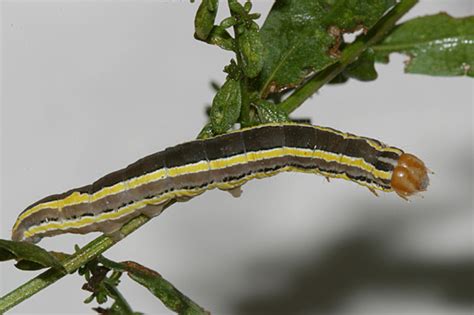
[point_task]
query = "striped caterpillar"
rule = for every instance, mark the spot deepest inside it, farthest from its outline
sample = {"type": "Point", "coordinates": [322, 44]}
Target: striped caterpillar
{"type": "Point", "coordinates": [226, 162]}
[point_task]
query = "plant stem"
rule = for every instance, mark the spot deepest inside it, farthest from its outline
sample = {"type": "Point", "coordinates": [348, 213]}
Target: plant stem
{"type": "Point", "coordinates": [348, 56]}
{"type": "Point", "coordinates": [169, 295]}
{"type": "Point", "coordinates": [120, 303]}
{"type": "Point", "coordinates": [70, 264]}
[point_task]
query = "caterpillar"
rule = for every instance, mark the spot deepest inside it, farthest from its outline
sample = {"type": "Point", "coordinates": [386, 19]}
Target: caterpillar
{"type": "Point", "coordinates": [225, 162]}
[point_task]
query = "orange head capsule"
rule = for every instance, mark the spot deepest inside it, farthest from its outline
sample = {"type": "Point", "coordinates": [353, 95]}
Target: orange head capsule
{"type": "Point", "coordinates": [410, 176]}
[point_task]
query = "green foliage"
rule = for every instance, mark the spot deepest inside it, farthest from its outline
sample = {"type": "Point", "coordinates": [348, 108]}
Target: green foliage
{"type": "Point", "coordinates": [437, 45]}
{"type": "Point", "coordinates": [268, 112]}
{"type": "Point", "coordinates": [103, 287]}
{"type": "Point", "coordinates": [29, 256]}
{"type": "Point", "coordinates": [206, 132]}
{"type": "Point", "coordinates": [220, 37]}
{"type": "Point", "coordinates": [164, 290]}
{"type": "Point", "coordinates": [205, 17]}
{"type": "Point", "coordinates": [251, 49]}
{"type": "Point", "coordinates": [302, 37]}
{"type": "Point", "coordinates": [363, 69]}
{"type": "Point", "coordinates": [225, 110]}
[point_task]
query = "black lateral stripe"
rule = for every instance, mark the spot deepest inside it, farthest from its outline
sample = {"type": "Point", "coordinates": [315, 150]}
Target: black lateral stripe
{"type": "Point", "coordinates": [183, 154]}
{"type": "Point", "coordinates": [145, 165]}
{"type": "Point", "coordinates": [390, 155]}
{"type": "Point", "coordinates": [369, 139]}
{"type": "Point", "coordinates": [334, 168]}
{"type": "Point", "coordinates": [263, 138]}
{"type": "Point", "coordinates": [300, 137]}
{"type": "Point", "coordinates": [224, 146]}
{"type": "Point", "coordinates": [331, 142]}
{"type": "Point", "coordinates": [382, 166]}
{"type": "Point", "coordinates": [257, 167]}
{"type": "Point", "coordinates": [360, 148]}
{"type": "Point", "coordinates": [323, 138]}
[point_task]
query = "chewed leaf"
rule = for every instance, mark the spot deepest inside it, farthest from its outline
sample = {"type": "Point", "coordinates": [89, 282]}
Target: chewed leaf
{"type": "Point", "coordinates": [302, 37]}
{"type": "Point", "coordinates": [438, 45]}
{"type": "Point", "coordinates": [29, 256]}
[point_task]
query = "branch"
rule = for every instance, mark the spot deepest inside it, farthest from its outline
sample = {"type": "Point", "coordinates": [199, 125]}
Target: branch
{"type": "Point", "coordinates": [348, 56]}
{"type": "Point", "coordinates": [169, 295]}
{"type": "Point", "coordinates": [70, 264]}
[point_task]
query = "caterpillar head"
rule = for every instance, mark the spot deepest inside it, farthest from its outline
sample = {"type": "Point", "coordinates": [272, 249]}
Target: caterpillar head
{"type": "Point", "coordinates": [410, 176]}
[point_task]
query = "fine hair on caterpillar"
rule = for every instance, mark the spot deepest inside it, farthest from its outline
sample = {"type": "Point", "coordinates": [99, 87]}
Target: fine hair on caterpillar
{"type": "Point", "coordinates": [225, 162]}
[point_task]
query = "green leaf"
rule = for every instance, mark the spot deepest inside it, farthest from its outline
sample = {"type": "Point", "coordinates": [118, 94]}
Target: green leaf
{"type": "Point", "coordinates": [206, 132]}
{"type": "Point", "coordinates": [162, 289]}
{"type": "Point", "coordinates": [236, 8]}
{"type": "Point", "coordinates": [120, 306]}
{"type": "Point", "coordinates": [205, 17]}
{"type": "Point", "coordinates": [220, 37]}
{"type": "Point", "coordinates": [363, 69]}
{"type": "Point", "coordinates": [270, 113]}
{"type": "Point", "coordinates": [302, 37]}
{"type": "Point", "coordinates": [154, 282]}
{"type": "Point", "coordinates": [339, 79]}
{"type": "Point", "coordinates": [103, 286]}
{"type": "Point", "coordinates": [438, 45]}
{"type": "Point", "coordinates": [251, 49]}
{"type": "Point", "coordinates": [225, 110]}
{"type": "Point", "coordinates": [28, 256]}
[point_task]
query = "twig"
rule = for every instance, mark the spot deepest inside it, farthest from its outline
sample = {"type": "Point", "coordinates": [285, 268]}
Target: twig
{"type": "Point", "coordinates": [70, 264]}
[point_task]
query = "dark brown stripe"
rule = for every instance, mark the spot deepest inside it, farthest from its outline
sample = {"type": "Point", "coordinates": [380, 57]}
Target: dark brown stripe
{"type": "Point", "coordinates": [227, 145]}
{"type": "Point", "coordinates": [224, 146]}
{"type": "Point", "coordinates": [263, 138]}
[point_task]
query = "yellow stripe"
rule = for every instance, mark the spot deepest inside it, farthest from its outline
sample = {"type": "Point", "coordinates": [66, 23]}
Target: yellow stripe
{"type": "Point", "coordinates": [188, 169]}
{"type": "Point", "coordinates": [326, 156]}
{"type": "Point", "coordinates": [147, 178]}
{"type": "Point", "coordinates": [227, 162]}
{"type": "Point", "coordinates": [124, 211]}
{"type": "Point", "coordinates": [78, 198]}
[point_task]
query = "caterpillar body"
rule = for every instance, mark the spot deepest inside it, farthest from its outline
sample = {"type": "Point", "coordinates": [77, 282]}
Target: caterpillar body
{"type": "Point", "coordinates": [226, 162]}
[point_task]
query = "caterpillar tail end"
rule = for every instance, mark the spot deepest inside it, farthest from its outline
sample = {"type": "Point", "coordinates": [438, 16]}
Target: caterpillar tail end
{"type": "Point", "coordinates": [18, 232]}
{"type": "Point", "coordinates": [18, 235]}
{"type": "Point", "coordinates": [410, 176]}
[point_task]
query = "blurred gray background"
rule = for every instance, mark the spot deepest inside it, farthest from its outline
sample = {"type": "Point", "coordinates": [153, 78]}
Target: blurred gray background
{"type": "Point", "coordinates": [90, 86]}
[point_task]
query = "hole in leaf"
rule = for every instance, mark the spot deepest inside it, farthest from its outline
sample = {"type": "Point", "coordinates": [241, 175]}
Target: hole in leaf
{"type": "Point", "coordinates": [351, 37]}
